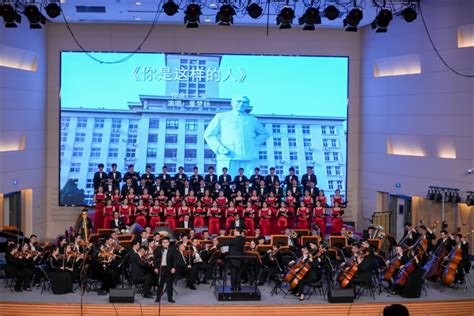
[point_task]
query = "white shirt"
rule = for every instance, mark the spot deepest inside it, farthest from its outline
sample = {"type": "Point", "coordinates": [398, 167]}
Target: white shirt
{"type": "Point", "coordinates": [163, 257]}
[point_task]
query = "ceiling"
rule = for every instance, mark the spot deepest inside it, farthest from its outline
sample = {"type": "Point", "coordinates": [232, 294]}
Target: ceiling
{"type": "Point", "coordinates": [144, 11]}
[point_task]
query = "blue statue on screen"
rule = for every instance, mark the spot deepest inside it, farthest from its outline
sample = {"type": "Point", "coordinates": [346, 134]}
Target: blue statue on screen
{"type": "Point", "coordinates": [235, 137]}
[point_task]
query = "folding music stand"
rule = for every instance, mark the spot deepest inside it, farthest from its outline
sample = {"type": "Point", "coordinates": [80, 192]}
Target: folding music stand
{"type": "Point", "coordinates": [307, 239]}
{"type": "Point", "coordinates": [302, 232]}
{"type": "Point", "coordinates": [182, 231]}
{"type": "Point", "coordinates": [337, 241]}
{"type": "Point", "coordinates": [376, 243]}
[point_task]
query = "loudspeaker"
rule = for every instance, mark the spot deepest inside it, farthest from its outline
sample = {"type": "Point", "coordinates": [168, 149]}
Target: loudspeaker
{"type": "Point", "coordinates": [341, 295]}
{"type": "Point", "coordinates": [121, 296]}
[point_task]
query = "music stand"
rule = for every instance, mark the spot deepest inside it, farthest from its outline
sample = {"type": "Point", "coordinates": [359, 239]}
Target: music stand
{"type": "Point", "coordinates": [224, 238]}
{"type": "Point", "coordinates": [282, 240]}
{"type": "Point", "coordinates": [263, 248]}
{"type": "Point", "coordinates": [307, 239]}
{"type": "Point", "coordinates": [182, 231]}
{"type": "Point", "coordinates": [250, 238]}
{"type": "Point", "coordinates": [105, 231]}
{"type": "Point", "coordinates": [302, 232]}
{"type": "Point", "coordinates": [375, 243]}
{"type": "Point", "coordinates": [337, 241]}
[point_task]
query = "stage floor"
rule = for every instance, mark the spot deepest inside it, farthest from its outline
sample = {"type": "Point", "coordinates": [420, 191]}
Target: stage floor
{"type": "Point", "coordinates": [437, 301]}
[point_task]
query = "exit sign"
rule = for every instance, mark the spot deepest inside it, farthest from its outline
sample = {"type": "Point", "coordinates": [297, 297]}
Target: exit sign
{"type": "Point", "coordinates": [398, 185]}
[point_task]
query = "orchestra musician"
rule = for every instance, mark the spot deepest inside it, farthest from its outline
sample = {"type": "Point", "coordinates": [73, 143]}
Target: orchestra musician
{"type": "Point", "coordinates": [17, 267]}
{"type": "Point", "coordinates": [312, 275]}
{"type": "Point", "coordinates": [60, 278]}
{"type": "Point", "coordinates": [183, 264]}
{"type": "Point", "coordinates": [200, 258]}
{"type": "Point", "coordinates": [139, 269]}
{"type": "Point", "coordinates": [272, 263]}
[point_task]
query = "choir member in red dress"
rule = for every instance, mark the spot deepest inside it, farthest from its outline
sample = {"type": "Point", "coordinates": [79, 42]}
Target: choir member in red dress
{"type": "Point", "coordinates": [322, 199]}
{"type": "Point", "coordinates": [170, 215]}
{"type": "Point", "coordinates": [221, 201]}
{"type": "Point", "coordinates": [290, 201]}
{"type": "Point", "coordinates": [108, 212]}
{"type": "Point", "coordinates": [303, 214]}
{"type": "Point", "coordinates": [337, 213]}
{"type": "Point", "coordinates": [131, 197]}
{"type": "Point", "coordinates": [249, 218]}
{"type": "Point", "coordinates": [146, 197]}
{"type": "Point", "coordinates": [99, 200]}
{"type": "Point", "coordinates": [239, 201]}
{"type": "Point", "coordinates": [176, 199]}
{"type": "Point", "coordinates": [125, 212]}
{"type": "Point", "coordinates": [282, 218]}
{"type": "Point", "coordinates": [141, 214]}
{"type": "Point", "coordinates": [183, 210]}
{"type": "Point", "coordinates": [308, 200]}
{"type": "Point", "coordinates": [265, 214]}
{"type": "Point", "coordinates": [155, 213]}
{"type": "Point", "coordinates": [214, 213]}
{"type": "Point", "coordinates": [337, 198]}
{"type": "Point", "coordinates": [206, 200]}
{"type": "Point", "coordinates": [254, 199]}
{"type": "Point", "coordinates": [271, 200]}
{"type": "Point", "coordinates": [116, 199]}
{"type": "Point", "coordinates": [191, 199]}
{"type": "Point", "coordinates": [162, 199]}
{"type": "Point", "coordinates": [319, 215]}
{"type": "Point", "coordinates": [199, 215]}
{"type": "Point", "coordinates": [230, 215]}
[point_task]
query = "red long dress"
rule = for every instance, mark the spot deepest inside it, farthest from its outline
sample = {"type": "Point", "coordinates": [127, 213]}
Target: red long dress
{"type": "Point", "coordinates": [290, 201]}
{"type": "Point", "coordinates": [230, 217]}
{"type": "Point", "coordinates": [155, 212]}
{"type": "Point", "coordinates": [214, 220]}
{"type": "Point", "coordinates": [99, 211]}
{"type": "Point", "coordinates": [140, 215]}
{"type": "Point", "coordinates": [302, 220]}
{"type": "Point", "coordinates": [336, 220]}
{"type": "Point", "coordinates": [199, 216]}
{"type": "Point", "coordinates": [249, 221]}
{"type": "Point", "coordinates": [265, 217]}
{"type": "Point", "coordinates": [282, 221]}
{"type": "Point", "coordinates": [125, 212]}
{"type": "Point", "coordinates": [320, 219]}
{"type": "Point", "coordinates": [170, 217]}
{"type": "Point", "coordinates": [108, 215]}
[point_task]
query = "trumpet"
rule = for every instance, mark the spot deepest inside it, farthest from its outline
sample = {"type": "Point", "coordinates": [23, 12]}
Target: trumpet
{"type": "Point", "coordinates": [349, 234]}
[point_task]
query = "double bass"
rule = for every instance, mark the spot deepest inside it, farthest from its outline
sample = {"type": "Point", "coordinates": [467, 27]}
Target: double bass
{"type": "Point", "coordinates": [451, 266]}
{"type": "Point", "coordinates": [351, 272]}
{"type": "Point", "coordinates": [407, 270]}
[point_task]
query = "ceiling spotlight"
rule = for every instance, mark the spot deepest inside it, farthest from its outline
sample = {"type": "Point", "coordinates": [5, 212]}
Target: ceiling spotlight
{"type": "Point", "coordinates": [10, 16]}
{"type": "Point", "coordinates": [309, 19]}
{"type": "Point", "coordinates": [52, 10]}
{"type": "Point", "coordinates": [191, 15]}
{"type": "Point", "coordinates": [170, 8]}
{"type": "Point", "coordinates": [382, 20]}
{"type": "Point", "coordinates": [254, 10]}
{"type": "Point", "coordinates": [225, 16]}
{"type": "Point", "coordinates": [409, 14]}
{"type": "Point", "coordinates": [34, 15]}
{"type": "Point", "coordinates": [331, 12]}
{"type": "Point", "coordinates": [285, 18]}
{"type": "Point", "coordinates": [352, 20]}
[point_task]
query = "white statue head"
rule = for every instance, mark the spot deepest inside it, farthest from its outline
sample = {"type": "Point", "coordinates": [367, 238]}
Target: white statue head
{"type": "Point", "coordinates": [240, 103]}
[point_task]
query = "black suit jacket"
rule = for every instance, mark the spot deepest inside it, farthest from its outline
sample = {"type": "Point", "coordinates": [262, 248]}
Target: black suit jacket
{"type": "Point", "coordinates": [289, 179]}
{"type": "Point", "coordinates": [117, 178]}
{"type": "Point", "coordinates": [211, 182]}
{"type": "Point", "coordinates": [120, 226]}
{"type": "Point", "coordinates": [132, 176]}
{"type": "Point", "coordinates": [236, 248]}
{"type": "Point", "coordinates": [241, 224]}
{"type": "Point", "coordinates": [227, 182]}
{"type": "Point", "coordinates": [181, 224]}
{"type": "Point", "coordinates": [240, 183]}
{"type": "Point", "coordinates": [181, 262]}
{"type": "Point", "coordinates": [170, 257]}
{"type": "Point", "coordinates": [114, 186]}
{"type": "Point", "coordinates": [255, 180]}
{"type": "Point", "coordinates": [98, 181]}
{"type": "Point", "coordinates": [138, 267]}
{"type": "Point", "coordinates": [194, 181]}
{"type": "Point", "coordinates": [306, 177]}
{"type": "Point", "coordinates": [269, 182]}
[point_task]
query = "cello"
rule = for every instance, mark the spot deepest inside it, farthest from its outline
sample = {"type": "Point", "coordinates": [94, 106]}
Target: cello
{"type": "Point", "coordinates": [392, 267]}
{"type": "Point", "coordinates": [451, 266]}
{"type": "Point", "coordinates": [406, 271]}
{"type": "Point", "coordinates": [350, 273]}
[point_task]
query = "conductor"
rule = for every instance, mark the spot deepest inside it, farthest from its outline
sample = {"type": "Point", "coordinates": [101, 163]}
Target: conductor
{"type": "Point", "coordinates": [236, 250]}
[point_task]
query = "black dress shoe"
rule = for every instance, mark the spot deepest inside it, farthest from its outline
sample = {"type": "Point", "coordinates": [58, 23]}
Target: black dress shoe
{"type": "Point", "coordinates": [192, 287]}
{"type": "Point", "coordinates": [171, 301]}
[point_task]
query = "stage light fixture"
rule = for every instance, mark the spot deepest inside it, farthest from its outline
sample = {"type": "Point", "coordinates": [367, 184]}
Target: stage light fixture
{"type": "Point", "coordinates": [170, 8]}
{"type": "Point", "coordinates": [254, 10]}
{"type": "Point", "coordinates": [309, 19]}
{"type": "Point", "coordinates": [52, 10]}
{"type": "Point", "coordinates": [10, 16]}
{"type": "Point", "coordinates": [470, 198]}
{"type": "Point", "coordinates": [430, 195]}
{"type": "Point", "coordinates": [438, 196]}
{"type": "Point", "coordinates": [381, 21]}
{"type": "Point", "coordinates": [331, 12]}
{"type": "Point", "coordinates": [285, 18]}
{"type": "Point", "coordinates": [34, 16]}
{"type": "Point", "coordinates": [225, 16]}
{"type": "Point", "coordinates": [456, 198]}
{"type": "Point", "coordinates": [409, 14]}
{"type": "Point", "coordinates": [191, 15]}
{"type": "Point", "coordinates": [352, 20]}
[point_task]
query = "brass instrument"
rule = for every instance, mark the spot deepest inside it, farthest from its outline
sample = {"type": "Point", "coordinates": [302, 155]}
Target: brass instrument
{"type": "Point", "coordinates": [293, 234]}
{"type": "Point", "coordinates": [349, 234]}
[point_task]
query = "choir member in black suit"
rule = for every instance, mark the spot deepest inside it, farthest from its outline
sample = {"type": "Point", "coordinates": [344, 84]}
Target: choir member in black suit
{"type": "Point", "coordinates": [263, 190]}
{"type": "Point", "coordinates": [139, 269]}
{"type": "Point", "coordinates": [115, 175]}
{"type": "Point", "coordinates": [312, 189]}
{"type": "Point", "coordinates": [185, 223]}
{"type": "Point", "coordinates": [236, 250]}
{"type": "Point", "coordinates": [126, 186]}
{"type": "Point", "coordinates": [296, 189]}
{"type": "Point", "coordinates": [271, 178]}
{"type": "Point", "coordinates": [110, 187]}
{"type": "Point", "coordinates": [132, 174]}
{"type": "Point", "coordinates": [211, 178]}
{"type": "Point", "coordinates": [100, 177]}
{"type": "Point", "coordinates": [165, 177]}
{"type": "Point", "coordinates": [148, 176]}
{"type": "Point", "coordinates": [143, 185]}
{"type": "Point", "coordinates": [240, 180]}
{"type": "Point", "coordinates": [165, 267]}
{"type": "Point", "coordinates": [225, 179]}
{"type": "Point", "coordinates": [289, 178]}
{"type": "Point", "coordinates": [309, 176]}
{"type": "Point", "coordinates": [195, 179]}
{"type": "Point", "coordinates": [180, 177]}
{"type": "Point", "coordinates": [256, 178]}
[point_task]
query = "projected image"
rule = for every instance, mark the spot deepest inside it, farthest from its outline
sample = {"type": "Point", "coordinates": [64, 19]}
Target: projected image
{"type": "Point", "coordinates": [186, 110]}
